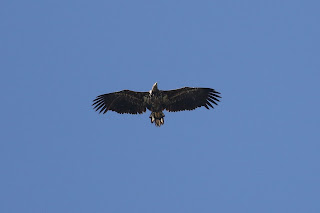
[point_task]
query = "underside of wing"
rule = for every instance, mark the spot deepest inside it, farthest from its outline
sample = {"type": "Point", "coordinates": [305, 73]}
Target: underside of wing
{"type": "Point", "coordinates": [124, 101]}
{"type": "Point", "coordinates": [189, 98]}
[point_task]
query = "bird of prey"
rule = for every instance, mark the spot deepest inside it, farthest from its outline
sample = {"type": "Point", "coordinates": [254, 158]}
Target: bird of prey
{"type": "Point", "coordinates": [127, 101]}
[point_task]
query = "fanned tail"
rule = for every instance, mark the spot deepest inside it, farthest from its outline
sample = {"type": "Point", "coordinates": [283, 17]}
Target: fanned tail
{"type": "Point", "coordinates": [157, 118]}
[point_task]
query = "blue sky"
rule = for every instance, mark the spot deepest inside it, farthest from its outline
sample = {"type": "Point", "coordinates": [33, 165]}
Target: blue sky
{"type": "Point", "coordinates": [258, 151]}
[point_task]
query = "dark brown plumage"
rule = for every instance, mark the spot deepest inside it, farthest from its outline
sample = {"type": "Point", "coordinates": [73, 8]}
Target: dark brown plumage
{"type": "Point", "coordinates": [124, 101]}
{"type": "Point", "coordinates": [189, 98]}
{"type": "Point", "coordinates": [127, 101]}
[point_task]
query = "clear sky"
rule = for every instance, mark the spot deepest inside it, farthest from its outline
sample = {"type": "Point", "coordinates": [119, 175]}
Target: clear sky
{"type": "Point", "coordinates": [258, 151]}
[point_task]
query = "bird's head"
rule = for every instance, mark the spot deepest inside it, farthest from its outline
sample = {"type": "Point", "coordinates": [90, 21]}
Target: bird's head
{"type": "Point", "coordinates": [154, 88]}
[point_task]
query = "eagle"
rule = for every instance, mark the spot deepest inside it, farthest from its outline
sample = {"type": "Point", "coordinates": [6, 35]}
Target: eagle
{"type": "Point", "coordinates": [132, 102]}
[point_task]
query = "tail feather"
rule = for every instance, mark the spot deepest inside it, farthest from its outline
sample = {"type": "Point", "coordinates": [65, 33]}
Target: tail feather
{"type": "Point", "coordinates": [157, 118]}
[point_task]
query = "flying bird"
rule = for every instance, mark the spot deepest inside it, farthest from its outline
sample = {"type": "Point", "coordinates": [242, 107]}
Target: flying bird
{"type": "Point", "coordinates": [127, 101]}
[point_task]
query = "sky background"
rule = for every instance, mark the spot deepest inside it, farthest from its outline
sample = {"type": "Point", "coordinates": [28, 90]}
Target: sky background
{"type": "Point", "coordinates": [258, 151]}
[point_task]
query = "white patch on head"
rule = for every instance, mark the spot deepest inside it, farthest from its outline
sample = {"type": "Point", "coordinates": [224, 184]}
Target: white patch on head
{"type": "Point", "coordinates": [155, 86]}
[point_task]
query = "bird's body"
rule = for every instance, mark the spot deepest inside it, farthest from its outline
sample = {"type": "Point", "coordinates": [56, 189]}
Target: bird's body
{"type": "Point", "coordinates": [127, 101]}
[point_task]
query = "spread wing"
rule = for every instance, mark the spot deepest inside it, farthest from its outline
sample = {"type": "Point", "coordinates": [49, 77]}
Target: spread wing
{"type": "Point", "coordinates": [189, 98]}
{"type": "Point", "coordinates": [124, 101]}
